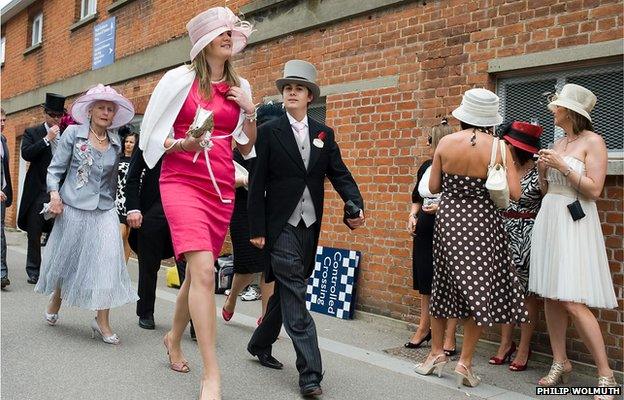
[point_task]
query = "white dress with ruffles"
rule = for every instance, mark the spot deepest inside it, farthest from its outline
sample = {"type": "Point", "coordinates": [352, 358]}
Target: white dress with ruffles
{"type": "Point", "coordinates": [568, 258]}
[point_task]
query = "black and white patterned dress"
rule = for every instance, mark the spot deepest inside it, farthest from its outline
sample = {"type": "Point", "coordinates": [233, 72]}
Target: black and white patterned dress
{"type": "Point", "coordinates": [120, 197]}
{"type": "Point", "coordinates": [519, 229]}
{"type": "Point", "coordinates": [473, 273]}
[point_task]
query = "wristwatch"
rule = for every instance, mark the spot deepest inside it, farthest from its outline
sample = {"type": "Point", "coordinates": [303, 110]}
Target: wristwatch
{"type": "Point", "coordinates": [47, 142]}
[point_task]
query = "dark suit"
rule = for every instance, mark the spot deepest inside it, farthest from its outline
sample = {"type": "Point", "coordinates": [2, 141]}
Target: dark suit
{"type": "Point", "coordinates": [280, 171]}
{"type": "Point", "coordinates": [38, 153]}
{"type": "Point", "coordinates": [152, 241]}
{"type": "Point", "coordinates": [8, 191]}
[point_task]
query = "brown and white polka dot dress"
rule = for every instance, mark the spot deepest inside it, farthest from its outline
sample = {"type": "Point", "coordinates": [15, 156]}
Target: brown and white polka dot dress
{"type": "Point", "coordinates": [473, 271]}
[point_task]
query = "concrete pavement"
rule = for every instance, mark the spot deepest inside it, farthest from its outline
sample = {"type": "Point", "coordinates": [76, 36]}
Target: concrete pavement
{"type": "Point", "coordinates": [360, 357]}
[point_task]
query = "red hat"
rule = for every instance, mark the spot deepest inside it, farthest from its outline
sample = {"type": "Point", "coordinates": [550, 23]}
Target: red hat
{"type": "Point", "coordinates": [523, 135]}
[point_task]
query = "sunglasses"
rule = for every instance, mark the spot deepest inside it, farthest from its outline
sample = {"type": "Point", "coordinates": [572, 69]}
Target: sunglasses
{"type": "Point", "coordinates": [54, 115]}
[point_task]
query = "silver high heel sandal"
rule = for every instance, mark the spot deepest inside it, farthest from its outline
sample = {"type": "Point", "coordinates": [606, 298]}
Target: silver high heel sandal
{"type": "Point", "coordinates": [606, 381]}
{"type": "Point", "coordinates": [51, 319]}
{"type": "Point", "coordinates": [469, 379]}
{"type": "Point", "coordinates": [433, 366]}
{"type": "Point", "coordinates": [112, 339]}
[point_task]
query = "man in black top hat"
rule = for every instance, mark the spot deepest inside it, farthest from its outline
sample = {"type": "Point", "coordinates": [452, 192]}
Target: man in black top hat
{"type": "Point", "coordinates": [38, 145]}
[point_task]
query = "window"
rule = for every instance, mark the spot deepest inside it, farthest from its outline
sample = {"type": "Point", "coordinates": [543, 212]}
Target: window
{"type": "Point", "coordinates": [316, 110]}
{"type": "Point", "coordinates": [87, 8]}
{"type": "Point", "coordinates": [37, 30]}
{"type": "Point", "coordinates": [525, 98]}
{"type": "Point", "coordinates": [2, 49]}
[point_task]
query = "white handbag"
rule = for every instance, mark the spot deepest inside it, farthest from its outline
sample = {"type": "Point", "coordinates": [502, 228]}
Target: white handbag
{"type": "Point", "coordinates": [496, 182]}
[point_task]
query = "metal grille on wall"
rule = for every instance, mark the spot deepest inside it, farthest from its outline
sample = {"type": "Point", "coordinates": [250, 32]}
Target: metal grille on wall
{"type": "Point", "coordinates": [525, 98]}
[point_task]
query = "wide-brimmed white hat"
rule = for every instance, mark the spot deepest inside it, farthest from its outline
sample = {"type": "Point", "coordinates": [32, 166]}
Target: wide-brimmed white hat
{"type": "Point", "coordinates": [479, 107]}
{"type": "Point", "coordinates": [82, 105]}
{"type": "Point", "coordinates": [302, 73]}
{"type": "Point", "coordinates": [575, 98]}
{"type": "Point", "coordinates": [205, 27]}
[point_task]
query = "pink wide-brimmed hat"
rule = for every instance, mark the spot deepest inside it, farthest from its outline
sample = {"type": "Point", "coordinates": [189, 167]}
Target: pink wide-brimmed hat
{"type": "Point", "coordinates": [205, 27]}
{"type": "Point", "coordinates": [82, 105]}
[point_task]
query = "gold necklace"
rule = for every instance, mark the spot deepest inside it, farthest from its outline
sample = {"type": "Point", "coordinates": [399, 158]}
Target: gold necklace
{"type": "Point", "coordinates": [101, 140]}
{"type": "Point", "coordinates": [568, 141]}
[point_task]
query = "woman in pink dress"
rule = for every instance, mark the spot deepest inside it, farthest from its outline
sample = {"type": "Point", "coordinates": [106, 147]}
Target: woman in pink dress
{"type": "Point", "coordinates": [197, 176]}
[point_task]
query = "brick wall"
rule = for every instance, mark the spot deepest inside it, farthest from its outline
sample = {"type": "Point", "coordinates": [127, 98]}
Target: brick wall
{"type": "Point", "coordinates": [437, 50]}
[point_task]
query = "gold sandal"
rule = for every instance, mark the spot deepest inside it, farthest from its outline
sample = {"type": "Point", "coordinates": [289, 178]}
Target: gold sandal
{"type": "Point", "coordinates": [556, 375]}
{"type": "Point", "coordinates": [468, 379]}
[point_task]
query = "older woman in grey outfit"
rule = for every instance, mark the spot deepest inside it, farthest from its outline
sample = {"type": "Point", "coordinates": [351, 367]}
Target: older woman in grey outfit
{"type": "Point", "coordinates": [83, 263]}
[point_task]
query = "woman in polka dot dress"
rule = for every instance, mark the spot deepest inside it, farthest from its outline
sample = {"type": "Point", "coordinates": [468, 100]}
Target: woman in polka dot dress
{"type": "Point", "coordinates": [473, 277]}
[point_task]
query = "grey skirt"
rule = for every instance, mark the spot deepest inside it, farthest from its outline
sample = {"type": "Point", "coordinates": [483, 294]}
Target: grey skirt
{"type": "Point", "coordinates": [84, 258]}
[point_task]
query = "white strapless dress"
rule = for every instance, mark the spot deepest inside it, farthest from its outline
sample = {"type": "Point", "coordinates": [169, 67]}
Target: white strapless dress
{"type": "Point", "coordinates": [568, 258]}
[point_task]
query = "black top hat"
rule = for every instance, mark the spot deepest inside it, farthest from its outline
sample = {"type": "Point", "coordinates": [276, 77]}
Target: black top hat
{"type": "Point", "coordinates": [54, 103]}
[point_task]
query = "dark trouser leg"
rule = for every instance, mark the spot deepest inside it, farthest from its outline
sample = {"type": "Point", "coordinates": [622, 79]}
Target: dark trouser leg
{"type": "Point", "coordinates": [290, 257]}
{"type": "Point", "coordinates": [151, 239]}
{"type": "Point", "coordinates": [149, 264]}
{"type": "Point", "coordinates": [267, 332]}
{"type": "Point", "coordinates": [34, 229]}
{"type": "Point", "coordinates": [3, 245]}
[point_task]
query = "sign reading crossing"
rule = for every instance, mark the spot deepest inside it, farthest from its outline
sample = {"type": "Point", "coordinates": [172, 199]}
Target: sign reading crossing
{"type": "Point", "coordinates": [104, 43]}
{"type": "Point", "coordinates": [331, 288]}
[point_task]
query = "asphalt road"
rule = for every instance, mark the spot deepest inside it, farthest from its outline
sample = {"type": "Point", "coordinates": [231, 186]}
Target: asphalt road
{"type": "Point", "coordinates": [63, 362]}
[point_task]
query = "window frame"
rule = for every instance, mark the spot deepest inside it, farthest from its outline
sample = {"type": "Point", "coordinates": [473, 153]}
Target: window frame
{"type": "Point", "coordinates": [561, 76]}
{"type": "Point", "coordinates": [87, 8]}
{"type": "Point", "coordinates": [2, 49]}
{"type": "Point", "coordinates": [36, 29]}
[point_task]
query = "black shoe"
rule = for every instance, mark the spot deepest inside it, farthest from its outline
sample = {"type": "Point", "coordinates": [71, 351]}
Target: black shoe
{"type": "Point", "coordinates": [193, 335]}
{"type": "Point", "coordinates": [269, 361]}
{"type": "Point", "coordinates": [311, 390]}
{"type": "Point", "coordinates": [32, 280]}
{"type": "Point", "coordinates": [411, 345]}
{"type": "Point", "coordinates": [450, 353]}
{"type": "Point", "coordinates": [147, 322]}
{"type": "Point", "coordinates": [5, 282]}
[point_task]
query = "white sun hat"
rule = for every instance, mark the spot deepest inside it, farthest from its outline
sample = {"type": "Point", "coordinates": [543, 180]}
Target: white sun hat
{"type": "Point", "coordinates": [479, 107]}
{"type": "Point", "coordinates": [82, 105]}
{"type": "Point", "coordinates": [575, 98]}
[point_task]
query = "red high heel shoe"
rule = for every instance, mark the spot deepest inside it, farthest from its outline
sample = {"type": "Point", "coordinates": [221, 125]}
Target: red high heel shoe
{"type": "Point", "coordinates": [227, 315]}
{"type": "Point", "coordinates": [520, 367]}
{"type": "Point", "coordinates": [506, 358]}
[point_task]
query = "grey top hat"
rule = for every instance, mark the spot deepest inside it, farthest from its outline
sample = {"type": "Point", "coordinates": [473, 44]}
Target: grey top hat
{"type": "Point", "coordinates": [301, 72]}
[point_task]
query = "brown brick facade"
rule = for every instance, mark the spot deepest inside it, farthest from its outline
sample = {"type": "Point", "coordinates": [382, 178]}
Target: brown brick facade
{"type": "Point", "coordinates": [437, 50]}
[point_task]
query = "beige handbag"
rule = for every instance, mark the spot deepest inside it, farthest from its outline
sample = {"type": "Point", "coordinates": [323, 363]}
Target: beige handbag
{"type": "Point", "coordinates": [496, 182]}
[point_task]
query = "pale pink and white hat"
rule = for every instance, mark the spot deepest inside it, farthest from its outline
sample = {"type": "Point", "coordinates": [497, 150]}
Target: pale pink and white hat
{"type": "Point", "coordinates": [205, 27]}
{"type": "Point", "coordinates": [82, 105]}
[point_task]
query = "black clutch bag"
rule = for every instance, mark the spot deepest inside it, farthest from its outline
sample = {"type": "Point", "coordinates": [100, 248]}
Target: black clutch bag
{"type": "Point", "coordinates": [351, 210]}
{"type": "Point", "coordinates": [576, 211]}
{"type": "Point", "coordinates": [575, 208]}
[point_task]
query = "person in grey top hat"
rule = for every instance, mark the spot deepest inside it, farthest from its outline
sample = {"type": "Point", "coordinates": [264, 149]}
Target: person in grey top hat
{"type": "Point", "coordinates": [294, 155]}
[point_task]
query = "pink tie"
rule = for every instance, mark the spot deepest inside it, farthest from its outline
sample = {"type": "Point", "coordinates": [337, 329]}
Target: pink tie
{"type": "Point", "coordinates": [299, 128]}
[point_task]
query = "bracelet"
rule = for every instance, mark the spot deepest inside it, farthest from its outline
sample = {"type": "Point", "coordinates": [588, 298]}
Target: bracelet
{"type": "Point", "coordinates": [171, 145]}
{"type": "Point", "coordinates": [251, 117]}
{"type": "Point", "coordinates": [181, 147]}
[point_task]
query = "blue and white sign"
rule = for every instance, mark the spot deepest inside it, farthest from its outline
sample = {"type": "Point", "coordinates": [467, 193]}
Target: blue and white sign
{"type": "Point", "coordinates": [331, 288]}
{"type": "Point", "coordinates": [104, 43]}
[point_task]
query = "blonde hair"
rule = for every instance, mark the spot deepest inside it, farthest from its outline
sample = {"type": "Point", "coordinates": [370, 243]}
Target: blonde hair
{"type": "Point", "coordinates": [202, 69]}
{"type": "Point", "coordinates": [439, 131]}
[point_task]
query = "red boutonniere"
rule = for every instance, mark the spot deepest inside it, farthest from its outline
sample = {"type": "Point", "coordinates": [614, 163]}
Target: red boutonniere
{"type": "Point", "coordinates": [320, 140]}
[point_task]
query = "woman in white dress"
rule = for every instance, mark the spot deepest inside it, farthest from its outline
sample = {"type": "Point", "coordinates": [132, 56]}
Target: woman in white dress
{"type": "Point", "coordinates": [569, 265]}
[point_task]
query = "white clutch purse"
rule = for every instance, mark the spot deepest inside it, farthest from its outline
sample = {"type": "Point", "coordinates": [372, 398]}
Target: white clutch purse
{"type": "Point", "coordinates": [241, 172]}
{"type": "Point", "coordinates": [202, 123]}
